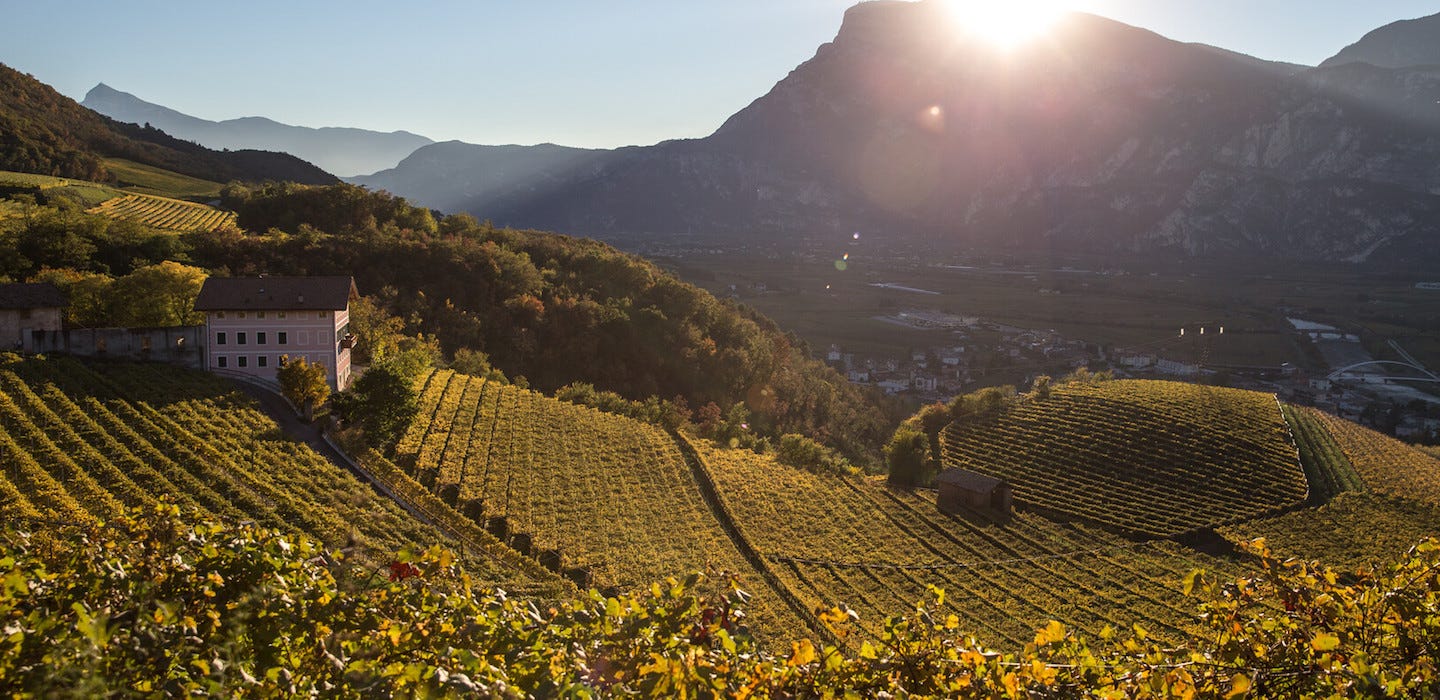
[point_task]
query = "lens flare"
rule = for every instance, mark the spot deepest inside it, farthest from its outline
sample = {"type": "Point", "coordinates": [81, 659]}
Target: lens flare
{"type": "Point", "coordinates": [1005, 23]}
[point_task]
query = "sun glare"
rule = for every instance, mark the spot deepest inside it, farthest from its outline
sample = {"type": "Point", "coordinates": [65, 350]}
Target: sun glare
{"type": "Point", "coordinates": [1006, 23]}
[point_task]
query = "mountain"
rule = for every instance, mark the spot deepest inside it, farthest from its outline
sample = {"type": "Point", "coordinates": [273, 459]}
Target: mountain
{"type": "Point", "coordinates": [1105, 138]}
{"type": "Point", "coordinates": [457, 176]}
{"type": "Point", "coordinates": [343, 151]}
{"type": "Point", "coordinates": [1403, 44]}
{"type": "Point", "coordinates": [42, 131]}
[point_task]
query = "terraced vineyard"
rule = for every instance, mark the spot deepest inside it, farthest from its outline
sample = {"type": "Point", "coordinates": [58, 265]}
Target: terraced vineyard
{"type": "Point", "coordinates": [876, 548]}
{"type": "Point", "coordinates": [81, 441]}
{"type": "Point", "coordinates": [1387, 465]}
{"type": "Point", "coordinates": [165, 213]}
{"type": "Point", "coordinates": [610, 495]}
{"type": "Point", "coordinates": [1143, 457]}
{"type": "Point", "coordinates": [1353, 530]}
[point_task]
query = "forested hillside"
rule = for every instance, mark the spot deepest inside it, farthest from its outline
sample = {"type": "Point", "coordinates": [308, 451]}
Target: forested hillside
{"type": "Point", "coordinates": [44, 132]}
{"type": "Point", "coordinates": [551, 308]}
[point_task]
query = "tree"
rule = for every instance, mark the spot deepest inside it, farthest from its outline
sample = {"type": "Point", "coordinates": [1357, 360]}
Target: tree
{"type": "Point", "coordinates": [158, 295]}
{"type": "Point", "coordinates": [383, 401]}
{"type": "Point", "coordinates": [88, 294]}
{"type": "Point", "coordinates": [303, 382]}
{"type": "Point", "coordinates": [907, 455]}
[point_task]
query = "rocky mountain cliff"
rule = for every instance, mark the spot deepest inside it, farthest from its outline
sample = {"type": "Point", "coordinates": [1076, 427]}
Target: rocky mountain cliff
{"type": "Point", "coordinates": [1404, 44]}
{"type": "Point", "coordinates": [340, 150]}
{"type": "Point", "coordinates": [1101, 138]}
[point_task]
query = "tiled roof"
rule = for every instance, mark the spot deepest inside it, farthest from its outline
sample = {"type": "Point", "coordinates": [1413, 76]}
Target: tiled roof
{"type": "Point", "coordinates": [970, 481]}
{"type": "Point", "coordinates": [275, 293]}
{"type": "Point", "coordinates": [37, 295]}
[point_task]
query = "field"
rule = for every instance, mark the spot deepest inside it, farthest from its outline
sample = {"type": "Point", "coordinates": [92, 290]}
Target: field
{"type": "Point", "coordinates": [877, 548]}
{"type": "Point", "coordinates": [1143, 457]}
{"type": "Point", "coordinates": [1108, 302]}
{"type": "Point", "coordinates": [82, 441]}
{"type": "Point", "coordinates": [1386, 464]}
{"type": "Point", "coordinates": [165, 213]}
{"type": "Point", "coordinates": [1351, 531]}
{"type": "Point", "coordinates": [610, 496]}
{"type": "Point", "coordinates": [146, 179]}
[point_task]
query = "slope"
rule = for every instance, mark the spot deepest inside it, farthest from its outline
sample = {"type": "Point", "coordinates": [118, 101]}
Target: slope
{"type": "Point", "coordinates": [82, 440]}
{"type": "Point", "coordinates": [1149, 458]}
{"type": "Point", "coordinates": [340, 150]}
{"type": "Point", "coordinates": [607, 499]}
{"type": "Point", "coordinates": [42, 131]}
{"type": "Point", "coordinates": [877, 549]}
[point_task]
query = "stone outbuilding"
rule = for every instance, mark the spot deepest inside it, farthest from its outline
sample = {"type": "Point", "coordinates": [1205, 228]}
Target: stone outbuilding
{"type": "Point", "coordinates": [28, 307]}
{"type": "Point", "coordinates": [964, 490]}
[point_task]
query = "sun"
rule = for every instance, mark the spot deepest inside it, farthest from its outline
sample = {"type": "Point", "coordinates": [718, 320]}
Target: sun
{"type": "Point", "coordinates": [1006, 23]}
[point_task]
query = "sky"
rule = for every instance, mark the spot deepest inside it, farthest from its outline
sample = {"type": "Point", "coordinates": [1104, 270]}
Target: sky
{"type": "Point", "coordinates": [575, 72]}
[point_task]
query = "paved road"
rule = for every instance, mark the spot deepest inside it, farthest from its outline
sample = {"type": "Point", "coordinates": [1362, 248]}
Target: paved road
{"type": "Point", "coordinates": [278, 408]}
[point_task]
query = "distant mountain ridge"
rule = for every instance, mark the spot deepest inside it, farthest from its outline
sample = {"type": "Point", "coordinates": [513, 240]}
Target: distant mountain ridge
{"type": "Point", "coordinates": [1104, 138]}
{"type": "Point", "coordinates": [341, 150]}
{"type": "Point", "coordinates": [1404, 44]}
{"type": "Point", "coordinates": [44, 132]}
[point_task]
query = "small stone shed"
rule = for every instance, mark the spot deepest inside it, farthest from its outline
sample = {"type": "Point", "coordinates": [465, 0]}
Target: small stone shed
{"type": "Point", "coordinates": [962, 490]}
{"type": "Point", "coordinates": [25, 308]}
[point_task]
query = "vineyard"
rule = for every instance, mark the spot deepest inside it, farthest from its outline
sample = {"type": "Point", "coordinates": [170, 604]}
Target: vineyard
{"type": "Point", "coordinates": [876, 548]}
{"type": "Point", "coordinates": [1351, 531]}
{"type": "Point", "coordinates": [1142, 457]}
{"type": "Point", "coordinates": [82, 442]}
{"type": "Point", "coordinates": [1327, 469]}
{"type": "Point", "coordinates": [165, 213]}
{"type": "Point", "coordinates": [1386, 464]}
{"type": "Point", "coordinates": [603, 494]}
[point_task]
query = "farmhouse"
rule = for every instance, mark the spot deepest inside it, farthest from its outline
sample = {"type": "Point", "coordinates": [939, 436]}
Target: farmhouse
{"type": "Point", "coordinates": [25, 308]}
{"type": "Point", "coordinates": [962, 489]}
{"type": "Point", "coordinates": [251, 322]}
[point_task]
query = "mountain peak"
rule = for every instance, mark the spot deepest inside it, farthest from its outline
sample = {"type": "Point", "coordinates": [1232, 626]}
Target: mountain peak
{"type": "Point", "coordinates": [343, 150]}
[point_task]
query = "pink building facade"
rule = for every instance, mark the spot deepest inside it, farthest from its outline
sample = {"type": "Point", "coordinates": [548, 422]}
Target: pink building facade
{"type": "Point", "coordinates": [253, 322]}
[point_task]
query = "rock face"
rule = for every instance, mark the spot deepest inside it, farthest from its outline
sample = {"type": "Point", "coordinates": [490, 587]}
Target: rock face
{"type": "Point", "coordinates": [343, 151]}
{"type": "Point", "coordinates": [1104, 138]}
{"type": "Point", "coordinates": [1404, 44]}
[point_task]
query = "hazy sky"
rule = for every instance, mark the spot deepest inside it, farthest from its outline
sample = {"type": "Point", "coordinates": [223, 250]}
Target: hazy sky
{"type": "Point", "coordinates": [527, 71]}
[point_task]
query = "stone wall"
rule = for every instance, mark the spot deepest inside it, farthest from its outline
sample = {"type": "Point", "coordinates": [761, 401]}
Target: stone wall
{"type": "Point", "coordinates": [178, 345]}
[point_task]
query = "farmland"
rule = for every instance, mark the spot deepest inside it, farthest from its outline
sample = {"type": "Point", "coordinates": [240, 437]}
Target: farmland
{"type": "Point", "coordinates": [1144, 457]}
{"type": "Point", "coordinates": [877, 548]}
{"type": "Point", "coordinates": [165, 213]}
{"type": "Point", "coordinates": [82, 442]}
{"type": "Point", "coordinates": [1386, 464]}
{"type": "Point", "coordinates": [608, 495]}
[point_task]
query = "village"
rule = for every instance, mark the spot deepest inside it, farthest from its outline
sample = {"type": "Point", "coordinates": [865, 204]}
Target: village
{"type": "Point", "coordinates": [977, 353]}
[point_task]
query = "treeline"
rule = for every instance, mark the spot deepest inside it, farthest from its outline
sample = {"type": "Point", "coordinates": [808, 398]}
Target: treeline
{"type": "Point", "coordinates": [553, 309]}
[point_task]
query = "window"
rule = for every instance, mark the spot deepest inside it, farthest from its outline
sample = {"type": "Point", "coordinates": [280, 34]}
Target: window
{"type": "Point", "coordinates": [321, 314]}
{"type": "Point", "coordinates": [221, 361]}
{"type": "Point", "coordinates": [219, 314]}
{"type": "Point", "coordinates": [240, 315]}
{"type": "Point", "coordinates": [242, 360]}
{"type": "Point", "coordinates": [282, 338]}
{"type": "Point", "coordinates": [220, 339]}
{"type": "Point", "coordinates": [262, 361]}
{"type": "Point", "coordinates": [280, 314]}
{"type": "Point", "coordinates": [259, 314]}
{"type": "Point", "coordinates": [240, 338]}
{"type": "Point", "coordinates": [304, 337]}
{"type": "Point", "coordinates": [260, 338]}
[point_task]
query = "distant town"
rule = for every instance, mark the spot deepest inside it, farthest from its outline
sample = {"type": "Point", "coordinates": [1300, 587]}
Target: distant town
{"type": "Point", "coordinates": [1378, 393]}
